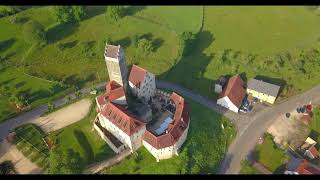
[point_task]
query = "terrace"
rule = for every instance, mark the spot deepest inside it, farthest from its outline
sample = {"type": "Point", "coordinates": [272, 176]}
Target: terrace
{"type": "Point", "coordinates": [162, 113]}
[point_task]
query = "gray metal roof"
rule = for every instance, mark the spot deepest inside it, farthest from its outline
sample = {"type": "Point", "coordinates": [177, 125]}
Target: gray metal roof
{"type": "Point", "coordinates": [263, 87]}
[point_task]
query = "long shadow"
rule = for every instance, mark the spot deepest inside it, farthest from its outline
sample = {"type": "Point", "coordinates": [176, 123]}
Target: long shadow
{"type": "Point", "coordinates": [190, 68]}
{"type": "Point", "coordinates": [6, 44]}
{"type": "Point", "coordinates": [125, 42]}
{"type": "Point", "coordinates": [7, 81]}
{"type": "Point", "coordinates": [132, 10]}
{"type": "Point", "coordinates": [61, 31]}
{"type": "Point", "coordinates": [93, 11]}
{"type": "Point", "coordinates": [84, 143]}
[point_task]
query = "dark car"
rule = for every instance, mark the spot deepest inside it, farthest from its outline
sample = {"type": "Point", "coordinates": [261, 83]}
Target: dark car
{"type": "Point", "coordinates": [298, 110]}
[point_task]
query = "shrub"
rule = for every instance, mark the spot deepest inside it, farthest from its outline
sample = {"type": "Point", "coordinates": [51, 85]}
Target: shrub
{"type": "Point", "coordinates": [144, 46]}
{"type": "Point", "coordinates": [34, 33]}
{"type": "Point", "coordinates": [66, 14]}
{"type": "Point", "coordinates": [9, 10]}
{"type": "Point", "coordinates": [115, 12]}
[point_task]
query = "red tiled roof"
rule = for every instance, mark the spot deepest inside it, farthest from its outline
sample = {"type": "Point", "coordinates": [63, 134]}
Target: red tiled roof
{"type": "Point", "coordinates": [114, 91]}
{"type": "Point", "coordinates": [101, 99]}
{"type": "Point", "coordinates": [306, 168]}
{"type": "Point", "coordinates": [137, 75]}
{"type": "Point", "coordinates": [313, 151]}
{"type": "Point", "coordinates": [112, 85]}
{"type": "Point", "coordinates": [175, 129]}
{"type": "Point", "coordinates": [234, 90]}
{"type": "Point", "coordinates": [120, 117]}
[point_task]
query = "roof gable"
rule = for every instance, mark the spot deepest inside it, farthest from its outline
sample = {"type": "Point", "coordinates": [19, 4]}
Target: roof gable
{"type": "Point", "coordinates": [137, 75]}
{"type": "Point", "coordinates": [234, 90]}
{"type": "Point", "coordinates": [263, 87]}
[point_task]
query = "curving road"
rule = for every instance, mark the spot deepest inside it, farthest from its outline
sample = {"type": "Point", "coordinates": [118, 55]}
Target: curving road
{"type": "Point", "coordinates": [250, 126]}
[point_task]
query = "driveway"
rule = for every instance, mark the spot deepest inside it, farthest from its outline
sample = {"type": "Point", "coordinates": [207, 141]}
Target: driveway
{"type": "Point", "coordinates": [64, 117]}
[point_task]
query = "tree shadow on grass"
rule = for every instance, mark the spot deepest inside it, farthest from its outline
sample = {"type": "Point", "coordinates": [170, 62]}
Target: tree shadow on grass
{"type": "Point", "coordinates": [132, 10]}
{"type": "Point", "coordinates": [105, 152]}
{"type": "Point", "coordinates": [20, 84]}
{"type": "Point", "coordinates": [280, 169]}
{"type": "Point", "coordinates": [85, 145]}
{"type": "Point", "coordinates": [61, 31]}
{"type": "Point", "coordinates": [6, 44]}
{"type": "Point", "coordinates": [156, 44]}
{"type": "Point", "coordinates": [124, 42]}
{"type": "Point", "coordinates": [195, 64]}
{"type": "Point", "coordinates": [93, 11]}
{"type": "Point", "coordinates": [7, 81]}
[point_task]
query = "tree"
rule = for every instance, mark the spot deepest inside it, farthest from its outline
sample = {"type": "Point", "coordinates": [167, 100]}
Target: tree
{"type": "Point", "coordinates": [63, 14]}
{"type": "Point", "coordinates": [78, 93]}
{"type": "Point", "coordinates": [66, 14]}
{"type": "Point", "coordinates": [144, 46]}
{"type": "Point", "coordinates": [65, 162]}
{"type": "Point", "coordinates": [135, 40]}
{"type": "Point", "coordinates": [79, 12]}
{"type": "Point", "coordinates": [187, 39]}
{"type": "Point", "coordinates": [34, 33]}
{"type": "Point", "coordinates": [51, 106]}
{"type": "Point", "coordinates": [19, 100]}
{"type": "Point", "coordinates": [115, 12]}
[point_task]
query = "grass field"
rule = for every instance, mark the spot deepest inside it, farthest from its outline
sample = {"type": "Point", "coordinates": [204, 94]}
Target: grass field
{"type": "Point", "coordinates": [82, 138]}
{"type": "Point", "coordinates": [315, 126]}
{"type": "Point", "coordinates": [271, 156]}
{"type": "Point", "coordinates": [201, 153]}
{"type": "Point", "coordinates": [247, 168]}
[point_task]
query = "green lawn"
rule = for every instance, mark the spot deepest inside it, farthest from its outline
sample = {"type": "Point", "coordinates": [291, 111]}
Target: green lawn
{"type": "Point", "coordinates": [315, 126]}
{"type": "Point", "coordinates": [270, 155]}
{"type": "Point", "coordinates": [202, 152]}
{"type": "Point", "coordinates": [82, 138]}
{"type": "Point", "coordinates": [247, 168]}
{"type": "Point", "coordinates": [31, 143]}
{"type": "Point", "coordinates": [171, 16]}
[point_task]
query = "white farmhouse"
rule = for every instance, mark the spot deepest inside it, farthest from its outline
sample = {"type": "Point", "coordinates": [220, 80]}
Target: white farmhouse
{"type": "Point", "coordinates": [142, 83]}
{"type": "Point", "coordinates": [232, 95]}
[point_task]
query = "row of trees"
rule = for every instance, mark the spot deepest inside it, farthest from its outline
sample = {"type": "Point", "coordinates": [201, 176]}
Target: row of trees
{"type": "Point", "coordinates": [9, 10]}
{"type": "Point", "coordinates": [67, 14]}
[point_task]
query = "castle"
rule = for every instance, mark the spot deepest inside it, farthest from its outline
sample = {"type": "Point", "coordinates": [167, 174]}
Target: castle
{"type": "Point", "coordinates": [133, 113]}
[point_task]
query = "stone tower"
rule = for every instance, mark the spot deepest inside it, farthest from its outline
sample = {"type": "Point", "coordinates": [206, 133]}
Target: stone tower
{"type": "Point", "coordinates": [116, 64]}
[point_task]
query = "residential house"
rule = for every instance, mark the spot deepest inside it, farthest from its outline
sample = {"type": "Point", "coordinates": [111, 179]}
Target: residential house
{"type": "Point", "coordinates": [233, 94]}
{"type": "Point", "coordinates": [301, 166]}
{"type": "Point", "coordinates": [264, 91]}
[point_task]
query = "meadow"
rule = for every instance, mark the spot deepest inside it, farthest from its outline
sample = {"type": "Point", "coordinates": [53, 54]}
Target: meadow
{"type": "Point", "coordinates": [276, 43]}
